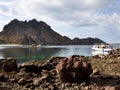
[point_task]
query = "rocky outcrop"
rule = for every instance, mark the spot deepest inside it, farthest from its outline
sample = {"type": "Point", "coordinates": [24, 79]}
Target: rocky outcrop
{"type": "Point", "coordinates": [74, 69]}
{"type": "Point", "coordinates": [37, 32]}
{"type": "Point", "coordinates": [44, 75]}
{"type": "Point", "coordinates": [114, 53]}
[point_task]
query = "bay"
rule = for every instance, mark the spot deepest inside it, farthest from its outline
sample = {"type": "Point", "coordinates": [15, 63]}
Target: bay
{"type": "Point", "coordinates": [23, 53]}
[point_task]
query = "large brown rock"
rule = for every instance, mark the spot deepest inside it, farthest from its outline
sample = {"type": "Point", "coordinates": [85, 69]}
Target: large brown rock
{"type": "Point", "coordinates": [74, 69]}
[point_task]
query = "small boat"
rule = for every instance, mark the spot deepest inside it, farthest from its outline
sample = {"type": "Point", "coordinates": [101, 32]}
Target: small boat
{"type": "Point", "coordinates": [101, 49]}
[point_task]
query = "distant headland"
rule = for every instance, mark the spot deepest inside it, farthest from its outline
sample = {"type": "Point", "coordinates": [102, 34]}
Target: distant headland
{"type": "Point", "coordinates": [38, 32]}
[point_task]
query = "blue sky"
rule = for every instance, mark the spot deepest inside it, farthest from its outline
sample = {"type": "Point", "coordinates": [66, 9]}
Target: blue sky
{"type": "Point", "coordinates": [72, 18]}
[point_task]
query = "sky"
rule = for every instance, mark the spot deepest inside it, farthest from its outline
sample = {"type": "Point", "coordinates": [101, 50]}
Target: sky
{"type": "Point", "coordinates": [72, 18]}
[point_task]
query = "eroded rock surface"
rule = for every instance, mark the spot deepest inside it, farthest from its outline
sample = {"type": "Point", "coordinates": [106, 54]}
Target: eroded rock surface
{"type": "Point", "coordinates": [74, 69]}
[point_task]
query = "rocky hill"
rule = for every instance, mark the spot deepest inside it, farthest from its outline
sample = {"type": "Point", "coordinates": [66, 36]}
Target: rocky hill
{"type": "Point", "coordinates": [38, 32]}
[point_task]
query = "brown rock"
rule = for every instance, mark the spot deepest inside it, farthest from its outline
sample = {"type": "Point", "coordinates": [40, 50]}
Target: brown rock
{"type": "Point", "coordinates": [37, 81]}
{"type": "Point", "coordinates": [112, 88]}
{"type": "Point", "coordinates": [22, 81]}
{"type": "Point", "coordinates": [8, 65]}
{"type": "Point", "coordinates": [96, 72]}
{"type": "Point", "coordinates": [74, 69]}
{"type": "Point", "coordinates": [114, 53]}
{"type": "Point", "coordinates": [31, 66]}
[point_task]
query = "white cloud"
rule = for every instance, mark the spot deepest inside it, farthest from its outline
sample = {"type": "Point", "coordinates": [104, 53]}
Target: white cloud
{"type": "Point", "coordinates": [79, 14]}
{"type": "Point", "coordinates": [96, 3]}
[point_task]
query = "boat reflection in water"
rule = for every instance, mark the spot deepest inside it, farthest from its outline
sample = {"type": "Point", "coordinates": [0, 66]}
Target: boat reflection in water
{"type": "Point", "coordinates": [99, 53]}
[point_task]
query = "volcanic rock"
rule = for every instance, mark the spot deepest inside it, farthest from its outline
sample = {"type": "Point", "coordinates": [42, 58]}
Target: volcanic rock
{"type": "Point", "coordinates": [50, 73]}
{"type": "Point", "coordinates": [114, 53]}
{"type": "Point", "coordinates": [33, 66]}
{"type": "Point", "coordinates": [8, 65]}
{"type": "Point", "coordinates": [74, 69]}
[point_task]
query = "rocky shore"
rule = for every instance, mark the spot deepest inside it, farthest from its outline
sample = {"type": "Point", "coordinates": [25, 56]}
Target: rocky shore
{"type": "Point", "coordinates": [62, 73]}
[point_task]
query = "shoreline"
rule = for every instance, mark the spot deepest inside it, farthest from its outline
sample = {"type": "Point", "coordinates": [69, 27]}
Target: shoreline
{"type": "Point", "coordinates": [43, 75]}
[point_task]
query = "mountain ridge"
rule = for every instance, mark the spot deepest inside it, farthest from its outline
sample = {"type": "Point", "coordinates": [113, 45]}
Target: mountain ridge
{"type": "Point", "coordinates": [38, 32]}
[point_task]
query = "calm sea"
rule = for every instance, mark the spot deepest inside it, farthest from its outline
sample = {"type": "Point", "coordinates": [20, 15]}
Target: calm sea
{"type": "Point", "coordinates": [23, 54]}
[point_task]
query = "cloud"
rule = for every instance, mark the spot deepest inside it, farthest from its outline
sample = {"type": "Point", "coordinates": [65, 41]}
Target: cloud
{"type": "Point", "coordinates": [4, 8]}
{"type": "Point", "coordinates": [78, 13]}
{"type": "Point", "coordinates": [97, 3]}
{"type": "Point", "coordinates": [82, 15]}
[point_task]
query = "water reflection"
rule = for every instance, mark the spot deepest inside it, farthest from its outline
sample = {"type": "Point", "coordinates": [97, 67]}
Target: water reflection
{"type": "Point", "coordinates": [100, 53]}
{"type": "Point", "coordinates": [42, 53]}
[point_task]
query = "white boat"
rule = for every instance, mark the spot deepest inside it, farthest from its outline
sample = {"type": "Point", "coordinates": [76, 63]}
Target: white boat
{"type": "Point", "coordinates": [101, 49]}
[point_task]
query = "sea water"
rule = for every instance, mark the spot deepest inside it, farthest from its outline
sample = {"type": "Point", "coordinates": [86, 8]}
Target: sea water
{"type": "Point", "coordinates": [23, 53]}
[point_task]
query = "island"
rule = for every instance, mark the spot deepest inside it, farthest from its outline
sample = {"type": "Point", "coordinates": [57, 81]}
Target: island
{"type": "Point", "coordinates": [38, 33]}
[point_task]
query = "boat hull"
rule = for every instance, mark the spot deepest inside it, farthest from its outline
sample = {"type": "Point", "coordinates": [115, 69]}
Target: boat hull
{"type": "Point", "coordinates": [102, 50]}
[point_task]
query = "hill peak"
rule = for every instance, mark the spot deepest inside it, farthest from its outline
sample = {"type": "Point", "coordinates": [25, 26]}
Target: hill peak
{"type": "Point", "coordinates": [37, 32]}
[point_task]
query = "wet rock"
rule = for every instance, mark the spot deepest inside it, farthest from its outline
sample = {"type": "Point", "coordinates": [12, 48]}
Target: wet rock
{"type": "Point", "coordinates": [74, 69]}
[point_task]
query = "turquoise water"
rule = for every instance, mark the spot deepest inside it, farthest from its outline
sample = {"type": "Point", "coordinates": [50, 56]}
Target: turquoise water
{"type": "Point", "coordinates": [42, 53]}
{"type": "Point", "coordinates": [23, 54]}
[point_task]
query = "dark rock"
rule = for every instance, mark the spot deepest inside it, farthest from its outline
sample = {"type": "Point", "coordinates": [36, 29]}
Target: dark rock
{"type": "Point", "coordinates": [31, 66]}
{"type": "Point", "coordinates": [37, 66]}
{"type": "Point", "coordinates": [86, 41]}
{"type": "Point", "coordinates": [74, 69]}
{"type": "Point", "coordinates": [29, 86]}
{"type": "Point", "coordinates": [14, 80]}
{"type": "Point", "coordinates": [23, 81]}
{"type": "Point", "coordinates": [2, 78]}
{"type": "Point", "coordinates": [106, 77]}
{"type": "Point", "coordinates": [8, 65]}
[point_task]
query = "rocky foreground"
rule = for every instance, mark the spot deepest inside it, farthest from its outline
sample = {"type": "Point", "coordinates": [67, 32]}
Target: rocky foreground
{"type": "Point", "coordinates": [62, 73]}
